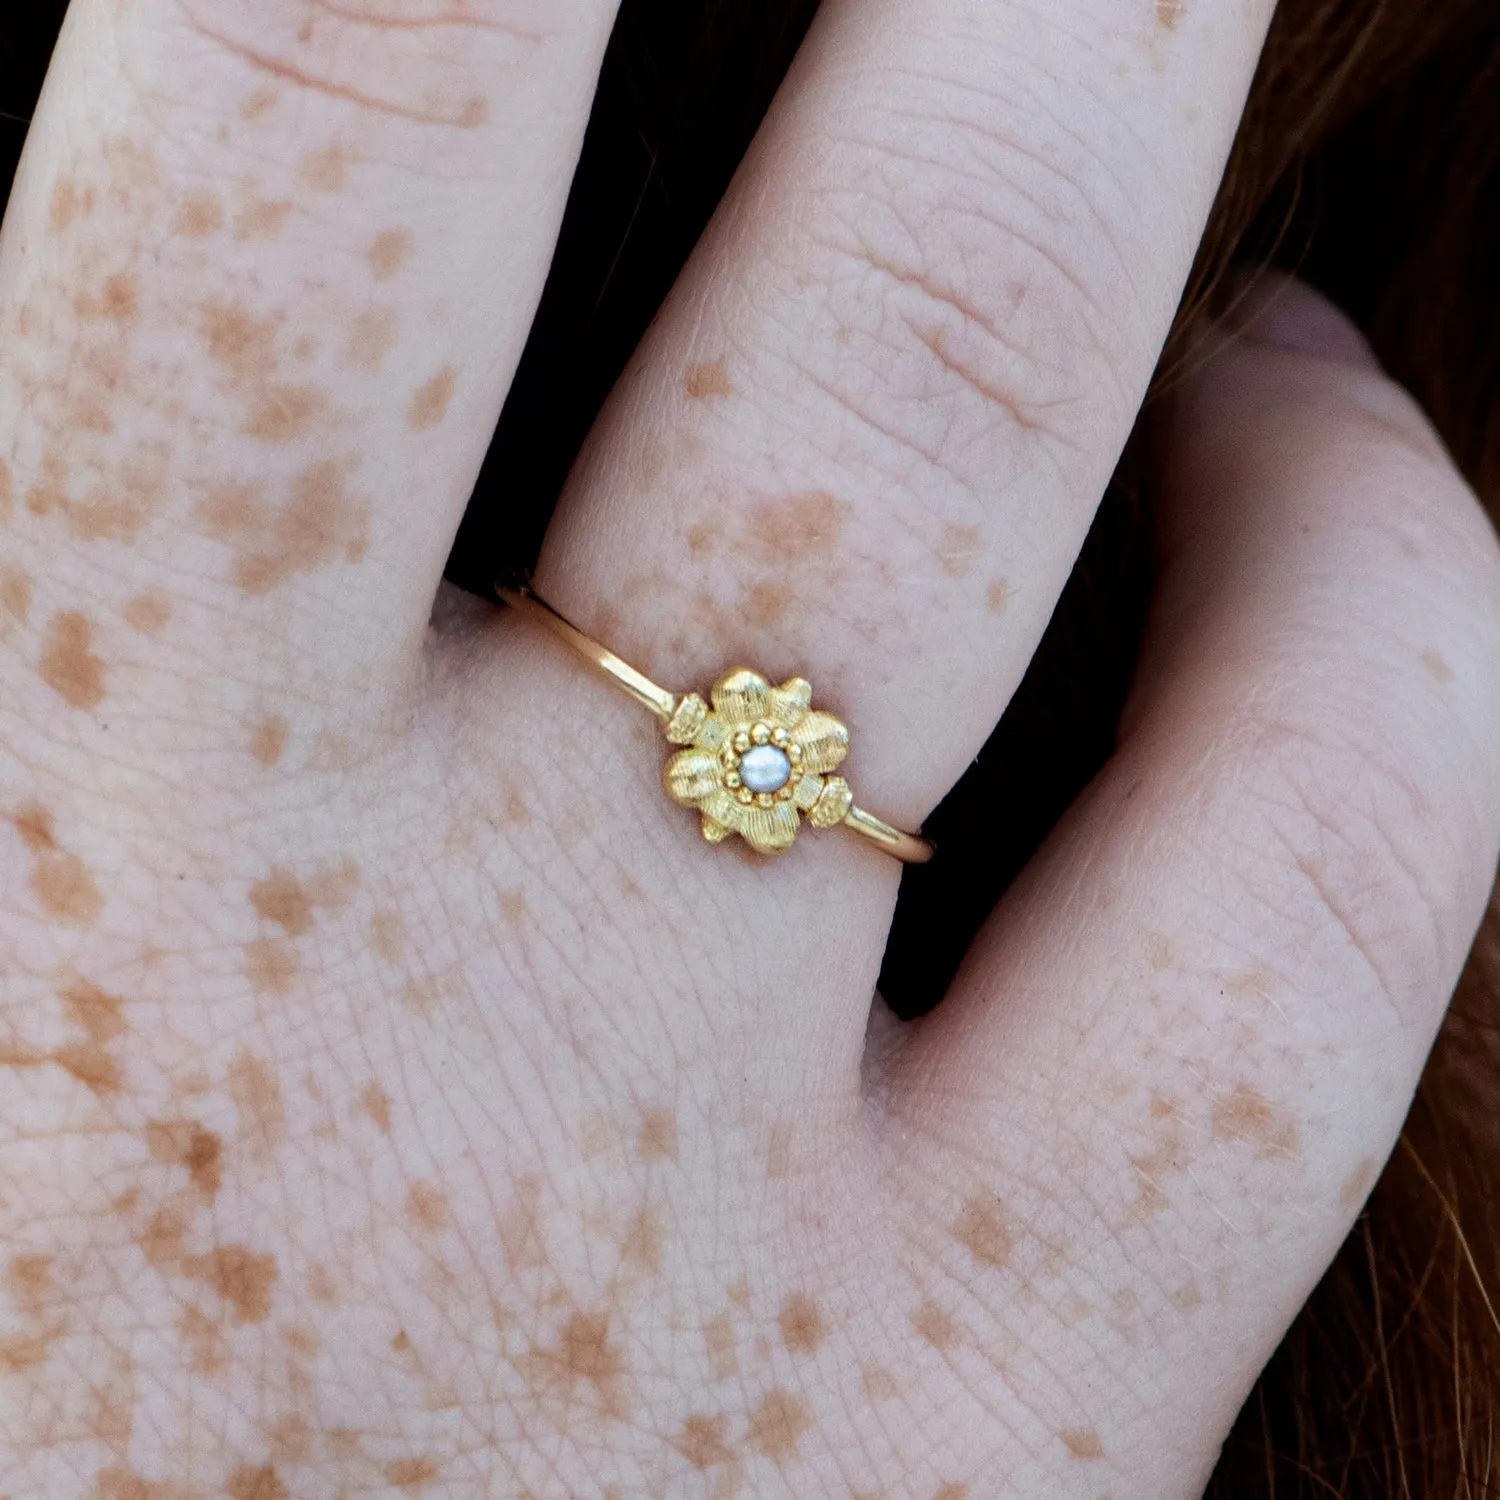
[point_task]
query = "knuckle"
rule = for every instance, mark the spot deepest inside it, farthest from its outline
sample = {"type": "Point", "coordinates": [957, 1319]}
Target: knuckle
{"type": "Point", "coordinates": [1370, 856]}
{"type": "Point", "coordinates": [978, 297]}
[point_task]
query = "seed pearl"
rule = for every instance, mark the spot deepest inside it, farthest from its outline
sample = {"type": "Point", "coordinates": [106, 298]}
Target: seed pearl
{"type": "Point", "coordinates": [765, 769]}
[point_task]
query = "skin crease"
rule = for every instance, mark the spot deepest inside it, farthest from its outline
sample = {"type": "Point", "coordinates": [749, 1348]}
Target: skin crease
{"type": "Point", "coordinates": [398, 1097]}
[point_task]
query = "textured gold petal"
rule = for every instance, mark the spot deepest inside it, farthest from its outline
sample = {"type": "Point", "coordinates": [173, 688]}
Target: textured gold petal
{"type": "Point", "coordinates": [725, 809]}
{"type": "Point", "coordinates": [790, 702]}
{"type": "Point", "coordinates": [833, 806]}
{"type": "Point", "coordinates": [809, 789]}
{"type": "Point", "coordinates": [741, 696]}
{"type": "Point", "coordinates": [824, 741]}
{"type": "Point", "coordinates": [713, 833]}
{"type": "Point", "coordinates": [769, 830]}
{"type": "Point", "coordinates": [690, 776]}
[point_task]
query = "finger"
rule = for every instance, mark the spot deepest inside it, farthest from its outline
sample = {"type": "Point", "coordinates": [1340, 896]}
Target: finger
{"type": "Point", "coordinates": [1187, 1041]}
{"type": "Point", "coordinates": [865, 440]}
{"type": "Point", "coordinates": [265, 275]}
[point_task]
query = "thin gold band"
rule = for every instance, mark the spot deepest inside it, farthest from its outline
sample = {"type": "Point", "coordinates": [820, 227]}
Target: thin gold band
{"type": "Point", "coordinates": [664, 705]}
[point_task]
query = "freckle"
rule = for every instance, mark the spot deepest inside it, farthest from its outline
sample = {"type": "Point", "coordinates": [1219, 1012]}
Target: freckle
{"type": "Point", "coordinates": [764, 605]}
{"type": "Point", "coordinates": [185, 1143]}
{"type": "Point", "coordinates": [259, 220]}
{"type": "Point", "coordinates": [118, 302]}
{"type": "Point", "coordinates": [243, 1279]}
{"type": "Point", "coordinates": [31, 1283]}
{"type": "Point", "coordinates": [377, 1104]}
{"type": "Point", "coordinates": [738, 1292]}
{"type": "Point", "coordinates": [1248, 1117]}
{"type": "Point", "coordinates": [426, 1206]}
{"type": "Point", "coordinates": [320, 1284]}
{"type": "Point", "coordinates": [1082, 1443]}
{"type": "Point", "coordinates": [878, 1384]}
{"type": "Point", "coordinates": [1187, 1297]}
{"type": "Point", "coordinates": [1435, 664]}
{"type": "Point", "coordinates": [199, 216]}
{"type": "Point", "coordinates": [257, 1101]}
{"type": "Point", "coordinates": [701, 382]}
{"type": "Point", "coordinates": [389, 252]}
{"type": "Point", "coordinates": [271, 965]}
{"type": "Point", "coordinates": [1357, 1187]}
{"type": "Point", "coordinates": [15, 594]}
{"type": "Point", "coordinates": [430, 404]}
{"type": "Point", "coordinates": [372, 335]}
{"type": "Point", "coordinates": [161, 1239]}
{"type": "Point", "coordinates": [208, 1350]}
{"type": "Point", "coordinates": [796, 527]}
{"type": "Point", "coordinates": [642, 1245]}
{"type": "Point", "coordinates": [657, 1140]}
{"type": "Point", "coordinates": [325, 171]}
{"type": "Point", "coordinates": [935, 1326]}
{"type": "Point", "coordinates": [148, 614]}
{"type": "Point", "coordinates": [777, 1425]}
{"type": "Point", "coordinates": [60, 881]}
{"type": "Point", "coordinates": [280, 898]}
{"type": "Point", "coordinates": [1162, 1109]}
{"type": "Point", "coordinates": [67, 205]}
{"type": "Point", "coordinates": [981, 1230]}
{"type": "Point", "coordinates": [1169, 13]}
{"type": "Point", "coordinates": [701, 1442]}
{"type": "Point", "coordinates": [268, 743]}
{"type": "Point", "coordinates": [387, 935]}
{"type": "Point", "coordinates": [513, 905]}
{"type": "Point", "coordinates": [68, 665]}
{"type": "Point", "coordinates": [516, 810]}
{"type": "Point", "coordinates": [779, 1153]}
{"type": "Point", "coordinates": [411, 1474]}
{"type": "Point", "coordinates": [699, 538]}
{"type": "Point", "coordinates": [473, 113]}
{"type": "Point", "coordinates": [1159, 952]}
{"type": "Point", "coordinates": [718, 1337]}
{"type": "Point", "coordinates": [958, 549]}
{"type": "Point", "coordinates": [997, 596]}
{"type": "Point", "coordinates": [290, 1439]}
{"type": "Point", "coordinates": [283, 413]}
{"type": "Point", "coordinates": [802, 1328]}
{"type": "Point", "coordinates": [301, 1341]}
{"type": "Point", "coordinates": [238, 343]}
{"type": "Point", "coordinates": [255, 104]}
{"type": "Point", "coordinates": [255, 1484]}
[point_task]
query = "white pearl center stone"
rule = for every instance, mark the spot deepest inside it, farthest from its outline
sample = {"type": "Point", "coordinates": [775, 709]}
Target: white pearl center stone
{"type": "Point", "coordinates": [764, 768]}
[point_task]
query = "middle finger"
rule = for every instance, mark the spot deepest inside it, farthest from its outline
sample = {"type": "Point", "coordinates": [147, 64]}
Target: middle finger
{"type": "Point", "coordinates": [866, 438]}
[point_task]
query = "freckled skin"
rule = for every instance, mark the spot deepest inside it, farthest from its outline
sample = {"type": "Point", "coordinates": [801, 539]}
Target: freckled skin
{"type": "Point", "coordinates": [389, 253]}
{"type": "Point", "coordinates": [1082, 1443]}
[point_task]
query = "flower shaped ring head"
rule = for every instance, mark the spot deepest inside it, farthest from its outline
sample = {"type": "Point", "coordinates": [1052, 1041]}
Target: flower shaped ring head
{"type": "Point", "coordinates": [758, 761]}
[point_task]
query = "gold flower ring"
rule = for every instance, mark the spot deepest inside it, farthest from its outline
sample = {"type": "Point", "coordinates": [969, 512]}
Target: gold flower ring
{"type": "Point", "coordinates": [756, 763]}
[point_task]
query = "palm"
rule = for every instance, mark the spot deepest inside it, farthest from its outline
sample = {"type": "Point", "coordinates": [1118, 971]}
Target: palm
{"type": "Point", "coordinates": [400, 1096]}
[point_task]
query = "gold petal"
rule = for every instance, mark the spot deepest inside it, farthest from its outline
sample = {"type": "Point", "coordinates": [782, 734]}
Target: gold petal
{"type": "Point", "coordinates": [713, 833]}
{"type": "Point", "coordinates": [690, 776]}
{"type": "Point", "coordinates": [824, 741]}
{"type": "Point", "coordinates": [809, 789]}
{"type": "Point", "coordinates": [741, 696]}
{"type": "Point", "coordinates": [769, 830]}
{"type": "Point", "coordinates": [725, 809]}
{"type": "Point", "coordinates": [790, 702]}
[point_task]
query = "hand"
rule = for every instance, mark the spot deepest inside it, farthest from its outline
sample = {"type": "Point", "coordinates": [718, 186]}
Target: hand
{"type": "Point", "coordinates": [400, 1098]}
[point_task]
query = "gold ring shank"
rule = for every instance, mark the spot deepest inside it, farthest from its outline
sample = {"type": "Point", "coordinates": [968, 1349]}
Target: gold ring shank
{"type": "Point", "coordinates": [906, 847]}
